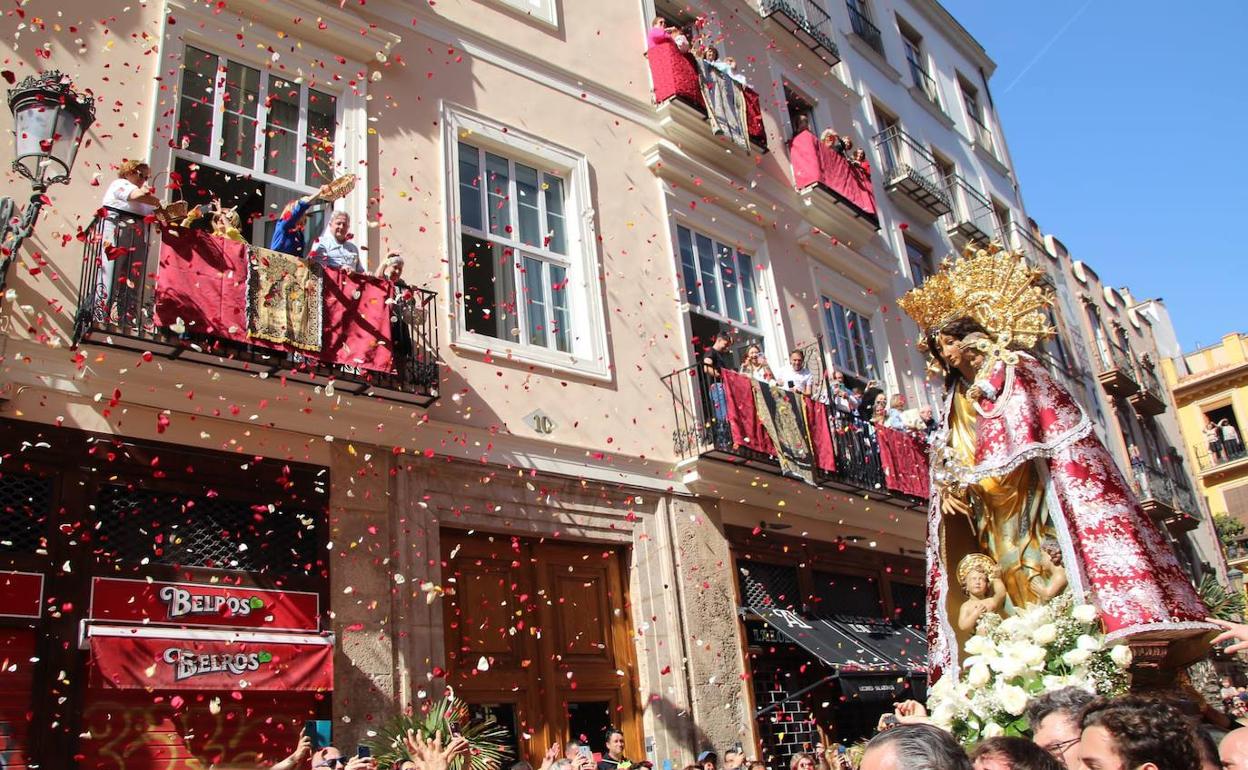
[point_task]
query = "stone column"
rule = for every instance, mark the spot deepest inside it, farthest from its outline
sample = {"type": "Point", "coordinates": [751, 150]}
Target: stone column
{"type": "Point", "coordinates": [714, 665]}
{"type": "Point", "coordinates": [361, 579]}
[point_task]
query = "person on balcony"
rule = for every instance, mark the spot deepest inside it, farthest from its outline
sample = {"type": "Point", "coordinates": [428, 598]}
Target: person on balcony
{"type": "Point", "coordinates": [1213, 440]}
{"type": "Point", "coordinates": [128, 201]}
{"type": "Point", "coordinates": [895, 417]}
{"type": "Point", "coordinates": [713, 363]}
{"type": "Point", "coordinates": [879, 410]}
{"type": "Point", "coordinates": [860, 160]}
{"type": "Point", "coordinates": [334, 248]}
{"type": "Point", "coordinates": [840, 394]}
{"type": "Point", "coordinates": [710, 55]}
{"type": "Point", "coordinates": [1231, 445]}
{"type": "Point", "coordinates": [929, 422]}
{"type": "Point", "coordinates": [288, 232]}
{"type": "Point", "coordinates": [756, 366]}
{"type": "Point", "coordinates": [660, 31]}
{"type": "Point", "coordinates": [866, 404]}
{"type": "Point", "coordinates": [798, 377]}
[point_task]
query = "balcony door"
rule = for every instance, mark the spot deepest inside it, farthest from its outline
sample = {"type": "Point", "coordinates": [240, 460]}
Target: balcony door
{"type": "Point", "coordinates": [538, 634]}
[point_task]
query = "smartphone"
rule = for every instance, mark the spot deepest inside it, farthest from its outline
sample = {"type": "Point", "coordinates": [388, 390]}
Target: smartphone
{"type": "Point", "coordinates": [890, 720]}
{"type": "Point", "coordinates": [363, 751]}
{"type": "Point", "coordinates": [585, 752]}
{"type": "Point", "coordinates": [318, 731]}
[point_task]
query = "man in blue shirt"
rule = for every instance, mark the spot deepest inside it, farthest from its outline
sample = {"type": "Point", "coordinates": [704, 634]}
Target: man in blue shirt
{"type": "Point", "coordinates": [334, 248]}
{"type": "Point", "coordinates": [288, 234]}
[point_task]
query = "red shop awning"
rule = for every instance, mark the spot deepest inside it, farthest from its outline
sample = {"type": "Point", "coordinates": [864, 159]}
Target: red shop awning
{"type": "Point", "coordinates": [133, 658]}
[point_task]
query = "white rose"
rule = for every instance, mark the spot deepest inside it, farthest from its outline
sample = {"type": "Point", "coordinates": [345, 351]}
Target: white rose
{"type": "Point", "coordinates": [1121, 655]}
{"type": "Point", "coordinates": [1084, 613]}
{"type": "Point", "coordinates": [1033, 655]}
{"type": "Point", "coordinates": [979, 675]}
{"type": "Point", "coordinates": [978, 645]}
{"type": "Point", "coordinates": [1009, 666]}
{"type": "Point", "coordinates": [1045, 634]}
{"type": "Point", "coordinates": [1087, 642]}
{"type": "Point", "coordinates": [1013, 699]}
{"type": "Point", "coordinates": [992, 730]}
{"type": "Point", "coordinates": [1011, 626]}
{"type": "Point", "coordinates": [1076, 657]}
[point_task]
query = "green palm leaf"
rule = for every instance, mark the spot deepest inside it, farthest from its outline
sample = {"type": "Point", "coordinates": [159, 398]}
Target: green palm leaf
{"type": "Point", "coordinates": [446, 716]}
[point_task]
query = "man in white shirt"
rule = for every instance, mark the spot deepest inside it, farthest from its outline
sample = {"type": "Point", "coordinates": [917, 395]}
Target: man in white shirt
{"type": "Point", "coordinates": [334, 249]}
{"type": "Point", "coordinates": [798, 377]}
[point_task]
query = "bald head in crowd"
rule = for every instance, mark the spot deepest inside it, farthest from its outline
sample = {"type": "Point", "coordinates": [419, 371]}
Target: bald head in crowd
{"type": "Point", "coordinates": [1234, 749]}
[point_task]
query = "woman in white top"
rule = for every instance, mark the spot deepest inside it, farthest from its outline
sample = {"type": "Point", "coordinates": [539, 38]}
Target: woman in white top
{"type": "Point", "coordinates": [127, 203]}
{"type": "Point", "coordinates": [756, 366]}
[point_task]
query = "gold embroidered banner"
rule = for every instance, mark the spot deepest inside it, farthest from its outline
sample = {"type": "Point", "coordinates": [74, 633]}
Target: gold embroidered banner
{"type": "Point", "coordinates": [284, 300]}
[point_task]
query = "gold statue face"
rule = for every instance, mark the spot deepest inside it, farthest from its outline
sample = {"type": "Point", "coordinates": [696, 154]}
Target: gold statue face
{"type": "Point", "coordinates": [977, 583]}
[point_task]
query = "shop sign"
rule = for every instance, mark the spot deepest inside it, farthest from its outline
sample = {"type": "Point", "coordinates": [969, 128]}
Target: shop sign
{"type": "Point", "coordinates": [21, 594]}
{"type": "Point", "coordinates": [119, 600]}
{"type": "Point", "coordinates": [149, 663]}
{"type": "Point", "coordinates": [874, 687]}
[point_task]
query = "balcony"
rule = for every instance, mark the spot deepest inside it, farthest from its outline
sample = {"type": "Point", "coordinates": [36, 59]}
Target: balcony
{"type": "Point", "coordinates": [682, 110]}
{"type": "Point", "coordinates": [981, 136]}
{"type": "Point", "coordinates": [911, 177]}
{"type": "Point", "coordinates": [836, 193]}
{"type": "Point", "coordinates": [1222, 456]}
{"type": "Point", "coordinates": [1031, 247]}
{"type": "Point", "coordinates": [806, 21]}
{"type": "Point", "coordinates": [972, 220]}
{"type": "Point", "coordinates": [376, 338]}
{"type": "Point", "coordinates": [715, 421]}
{"type": "Point", "coordinates": [1150, 399]}
{"type": "Point", "coordinates": [1159, 497]}
{"type": "Point", "coordinates": [1115, 370]}
{"type": "Point", "coordinates": [923, 87]}
{"type": "Point", "coordinates": [865, 30]}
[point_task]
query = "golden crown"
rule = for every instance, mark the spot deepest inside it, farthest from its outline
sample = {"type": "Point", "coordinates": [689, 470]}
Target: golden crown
{"type": "Point", "coordinates": [993, 286]}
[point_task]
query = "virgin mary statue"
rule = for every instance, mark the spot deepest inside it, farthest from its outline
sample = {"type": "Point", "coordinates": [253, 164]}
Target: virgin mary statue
{"type": "Point", "coordinates": [1019, 475]}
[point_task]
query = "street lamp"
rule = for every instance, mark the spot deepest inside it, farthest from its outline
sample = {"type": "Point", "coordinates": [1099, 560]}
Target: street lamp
{"type": "Point", "coordinates": [50, 119]}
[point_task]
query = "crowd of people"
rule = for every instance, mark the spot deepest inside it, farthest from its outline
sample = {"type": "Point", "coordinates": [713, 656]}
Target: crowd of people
{"type": "Point", "coordinates": [1069, 729]}
{"type": "Point", "coordinates": [690, 39]}
{"type": "Point", "coordinates": [869, 404]}
{"type": "Point", "coordinates": [1223, 440]}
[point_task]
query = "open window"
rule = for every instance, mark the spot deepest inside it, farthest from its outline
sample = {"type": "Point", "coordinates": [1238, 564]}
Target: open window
{"type": "Point", "coordinates": [801, 110]}
{"type": "Point", "coordinates": [721, 292]}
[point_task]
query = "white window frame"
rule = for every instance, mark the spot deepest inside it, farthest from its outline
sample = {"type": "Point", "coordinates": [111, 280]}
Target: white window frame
{"type": "Point", "coordinates": [721, 289]}
{"type": "Point", "coordinates": [827, 321]}
{"type": "Point", "coordinates": [543, 10]}
{"type": "Point", "coordinates": [207, 30]}
{"type": "Point", "coordinates": [589, 356]}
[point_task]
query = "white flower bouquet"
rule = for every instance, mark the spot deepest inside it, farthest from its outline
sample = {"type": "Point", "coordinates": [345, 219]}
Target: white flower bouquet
{"type": "Point", "coordinates": [1009, 661]}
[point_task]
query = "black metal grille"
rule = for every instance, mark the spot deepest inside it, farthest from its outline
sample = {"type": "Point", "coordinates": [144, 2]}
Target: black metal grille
{"type": "Point", "coordinates": [143, 527]}
{"type": "Point", "coordinates": [24, 504]}
{"type": "Point", "coordinates": [770, 585]}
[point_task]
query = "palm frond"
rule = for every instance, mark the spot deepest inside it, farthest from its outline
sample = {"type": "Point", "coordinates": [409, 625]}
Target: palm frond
{"type": "Point", "coordinates": [486, 738]}
{"type": "Point", "coordinates": [1222, 604]}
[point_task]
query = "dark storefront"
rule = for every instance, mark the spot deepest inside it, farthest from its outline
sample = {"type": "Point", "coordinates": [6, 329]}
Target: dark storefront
{"type": "Point", "coordinates": [833, 634]}
{"type": "Point", "coordinates": [179, 601]}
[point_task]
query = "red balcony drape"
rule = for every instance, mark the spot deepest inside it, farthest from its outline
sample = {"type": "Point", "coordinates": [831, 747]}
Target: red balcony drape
{"type": "Point", "coordinates": [904, 458]}
{"type": "Point", "coordinates": [675, 75]}
{"type": "Point", "coordinates": [815, 162]}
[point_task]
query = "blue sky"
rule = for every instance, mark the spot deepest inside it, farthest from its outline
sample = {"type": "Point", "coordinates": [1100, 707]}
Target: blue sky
{"type": "Point", "coordinates": [1128, 134]}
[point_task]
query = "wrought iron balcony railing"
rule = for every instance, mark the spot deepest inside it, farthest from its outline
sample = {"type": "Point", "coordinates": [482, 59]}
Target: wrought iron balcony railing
{"type": "Point", "coordinates": [910, 171]}
{"type": "Point", "coordinates": [702, 430]}
{"type": "Point", "coordinates": [117, 307]}
{"type": "Point", "coordinates": [924, 83]}
{"type": "Point", "coordinates": [972, 217]}
{"type": "Point", "coordinates": [808, 22]}
{"type": "Point", "coordinates": [864, 29]}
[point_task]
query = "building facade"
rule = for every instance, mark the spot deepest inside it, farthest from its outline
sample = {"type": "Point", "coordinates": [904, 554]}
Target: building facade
{"type": "Point", "coordinates": [1210, 393]}
{"type": "Point", "coordinates": [529, 494]}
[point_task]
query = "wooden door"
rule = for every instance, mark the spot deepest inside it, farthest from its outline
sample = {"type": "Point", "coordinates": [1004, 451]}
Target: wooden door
{"type": "Point", "coordinates": [538, 633]}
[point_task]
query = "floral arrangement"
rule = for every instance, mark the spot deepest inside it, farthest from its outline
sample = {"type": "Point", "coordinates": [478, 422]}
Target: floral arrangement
{"type": "Point", "coordinates": [445, 717]}
{"type": "Point", "coordinates": [1009, 661]}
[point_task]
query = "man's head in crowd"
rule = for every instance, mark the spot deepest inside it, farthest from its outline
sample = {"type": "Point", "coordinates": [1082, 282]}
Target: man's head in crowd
{"type": "Point", "coordinates": [914, 747]}
{"type": "Point", "coordinates": [1004, 753]}
{"type": "Point", "coordinates": [1136, 733]}
{"type": "Point", "coordinates": [1233, 750]}
{"type": "Point", "coordinates": [1054, 720]}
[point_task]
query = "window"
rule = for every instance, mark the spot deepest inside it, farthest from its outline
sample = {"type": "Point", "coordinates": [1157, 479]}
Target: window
{"type": "Point", "coordinates": [854, 347]}
{"type": "Point", "coordinates": [801, 110]}
{"type": "Point", "coordinates": [920, 258]}
{"type": "Point", "coordinates": [253, 139]}
{"type": "Point", "coordinates": [1005, 220]}
{"type": "Point", "coordinates": [527, 274]}
{"type": "Point", "coordinates": [538, 9]}
{"type": "Point", "coordinates": [948, 173]}
{"type": "Point", "coordinates": [843, 594]}
{"type": "Point", "coordinates": [975, 113]}
{"type": "Point", "coordinates": [917, 62]}
{"type": "Point", "coordinates": [1056, 347]}
{"type": "Point", "coordinates": [889, 143]}
{"type": "Point", "coordinates": [720, 287]}
{"type": "Point", "coordinates": [514, 250]}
